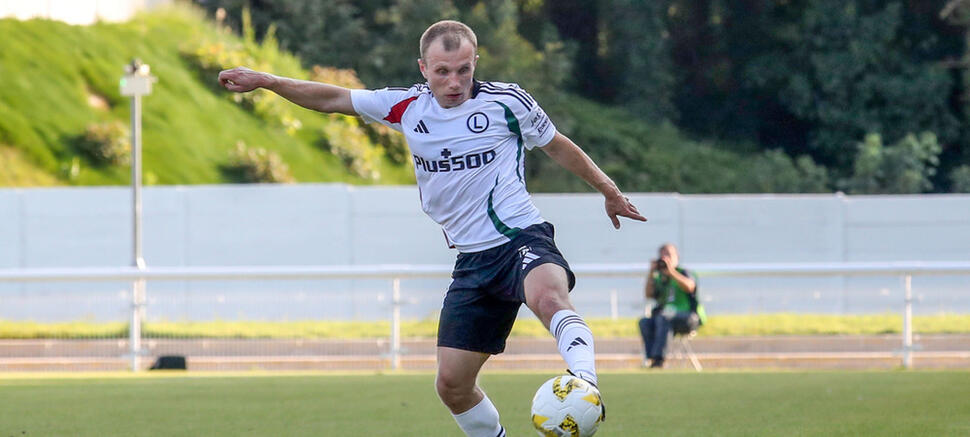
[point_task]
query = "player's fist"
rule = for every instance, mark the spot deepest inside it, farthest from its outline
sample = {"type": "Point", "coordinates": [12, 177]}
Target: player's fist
{"type": "Point", "coordinates": [242, 79]}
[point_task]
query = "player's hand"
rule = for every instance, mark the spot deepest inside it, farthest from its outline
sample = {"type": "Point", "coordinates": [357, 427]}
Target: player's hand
{"type": "Point", "coordinates": [621, 206]}
{"type": "Point", "coordinates": [668, 266]}
{"type": "Point", "coordinates": [242, 79]}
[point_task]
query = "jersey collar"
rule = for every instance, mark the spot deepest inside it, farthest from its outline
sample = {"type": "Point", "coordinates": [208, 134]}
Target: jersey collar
{"type": "Point", "coordinates": [476, 87]}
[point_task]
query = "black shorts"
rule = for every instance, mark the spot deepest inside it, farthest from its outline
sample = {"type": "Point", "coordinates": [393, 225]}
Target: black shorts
{"type": "Point", "coordinates": [487, 289]}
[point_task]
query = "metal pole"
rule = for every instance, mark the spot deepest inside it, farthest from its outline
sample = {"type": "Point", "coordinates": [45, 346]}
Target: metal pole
{"type": "Point", "coordinates": [396, 324]}
{"type": "Point", "coordinates": [134, 334]}
{"type": "Point", "coordinates": [908, 322]}
{"type": "Point", "coordinates": [136, 180]}
{"type": "Point", "coordinates": [138, 286]}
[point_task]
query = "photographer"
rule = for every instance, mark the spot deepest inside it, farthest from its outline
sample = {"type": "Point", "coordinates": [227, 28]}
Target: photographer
{"type": "Point", "coordinates": [674, 290]}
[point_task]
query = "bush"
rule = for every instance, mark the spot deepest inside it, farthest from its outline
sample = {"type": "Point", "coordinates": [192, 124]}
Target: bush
{"type": "Point", "coordinates": [349, 142]}
{"type": "Point", "coordinates": [657, 157]}
{"type": "Point", "coordinates": [903, 168]}
{"type": "Point", "coordinates": [395, 148]}
{"type": "Point", "coordinates": [212, 57]}
{"type": "Point", "coordinates": [106, 143]}
{"type": "Point", "coordinates": [775, 172]}
{"type": "Point", "coordinates": [960, 179]}
{"type": "Point", "coordinates": [257, 165]}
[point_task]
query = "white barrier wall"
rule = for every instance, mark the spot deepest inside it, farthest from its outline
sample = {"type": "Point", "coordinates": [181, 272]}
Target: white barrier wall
{"type": "Point", "coordinates": [339, 224]}
{"type": "Point", "coordinates": [312, 224]}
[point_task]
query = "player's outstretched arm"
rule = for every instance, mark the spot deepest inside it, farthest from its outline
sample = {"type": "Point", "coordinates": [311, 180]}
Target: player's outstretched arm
{"type": "Point", "coordinates": [567, 154]}
{"type": "Point", "coordinates": [311, 95]}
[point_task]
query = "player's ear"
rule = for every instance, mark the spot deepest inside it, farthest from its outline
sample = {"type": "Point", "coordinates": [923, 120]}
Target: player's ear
{"type": "Point", "coordinates": [422, 68]}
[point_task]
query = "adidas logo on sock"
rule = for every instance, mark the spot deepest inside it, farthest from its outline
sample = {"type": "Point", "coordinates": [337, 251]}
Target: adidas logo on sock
{"type": "Point", "coordinates": [578, 341]}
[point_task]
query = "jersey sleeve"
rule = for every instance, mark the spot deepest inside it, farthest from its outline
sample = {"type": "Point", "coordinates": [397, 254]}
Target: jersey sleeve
{"type": "Point", "coordinates": [384, 106]}
{"type": "Point", "coordinates": [537, 129]}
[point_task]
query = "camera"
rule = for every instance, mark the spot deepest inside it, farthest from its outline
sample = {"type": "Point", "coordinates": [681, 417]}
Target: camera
{"type": "Point", "coordinates": [661, 265]}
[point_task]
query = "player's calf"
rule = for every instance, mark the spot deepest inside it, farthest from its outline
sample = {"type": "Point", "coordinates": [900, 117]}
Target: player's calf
{"type": "Point", "coordinates": [575, 341]}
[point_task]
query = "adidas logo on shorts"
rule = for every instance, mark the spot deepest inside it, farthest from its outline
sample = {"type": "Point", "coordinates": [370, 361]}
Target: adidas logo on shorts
{"type": "Point", "coordinates": [527, 256]}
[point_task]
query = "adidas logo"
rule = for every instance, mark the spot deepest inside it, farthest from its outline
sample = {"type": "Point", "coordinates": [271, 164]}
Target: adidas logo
{"type": "Point", "coordinates": [578, 341]}
{"type": "Point", "coordinates": [422, 128]}
{"type": "Point", "coordinates": [527, 256]}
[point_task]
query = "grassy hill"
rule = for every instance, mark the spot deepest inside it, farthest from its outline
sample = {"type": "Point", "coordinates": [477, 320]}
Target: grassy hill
{"type": "Point", "coordinates": [62, 81]}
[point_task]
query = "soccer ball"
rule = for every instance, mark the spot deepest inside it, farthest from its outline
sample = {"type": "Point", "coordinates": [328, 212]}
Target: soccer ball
{"type": "Point", "coordinates": [566, 406]}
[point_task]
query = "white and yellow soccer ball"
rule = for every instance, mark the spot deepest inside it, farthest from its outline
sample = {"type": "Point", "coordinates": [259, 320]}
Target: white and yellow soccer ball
{"type": "Point", "coordinates": [566, 406]}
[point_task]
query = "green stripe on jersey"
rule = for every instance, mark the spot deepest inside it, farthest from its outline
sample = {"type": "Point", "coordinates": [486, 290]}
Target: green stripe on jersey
{"type": "Point", "coordinates": [514, 127]}
{"type": "Point", "coordinates": [500, 226]}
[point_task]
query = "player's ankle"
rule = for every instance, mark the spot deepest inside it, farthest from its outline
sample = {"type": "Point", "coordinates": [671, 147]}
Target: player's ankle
{"type": "Point", "coordinates": [588, 376]}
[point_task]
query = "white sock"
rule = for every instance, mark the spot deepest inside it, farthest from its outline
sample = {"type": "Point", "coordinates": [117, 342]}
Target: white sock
{"type": "Point", "coordinates": [481, 420]}
{"type": "Point", "coordinates": [575, 342]}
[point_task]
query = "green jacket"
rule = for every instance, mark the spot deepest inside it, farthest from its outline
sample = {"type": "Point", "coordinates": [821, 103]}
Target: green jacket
{"type": "Point", "coordinates": [668, 292]}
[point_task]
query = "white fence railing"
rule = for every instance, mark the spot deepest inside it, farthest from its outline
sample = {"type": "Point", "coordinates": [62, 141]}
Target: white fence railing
{"type": "Point", "coordinates": [394, 273]}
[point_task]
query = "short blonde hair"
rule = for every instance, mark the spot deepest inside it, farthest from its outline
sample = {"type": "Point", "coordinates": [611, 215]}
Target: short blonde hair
{"type": "Point", "coordinates": [452, 33]}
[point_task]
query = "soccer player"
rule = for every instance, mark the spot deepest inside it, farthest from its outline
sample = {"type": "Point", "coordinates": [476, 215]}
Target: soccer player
{"type": "Point", "coordinates": [467, 139]}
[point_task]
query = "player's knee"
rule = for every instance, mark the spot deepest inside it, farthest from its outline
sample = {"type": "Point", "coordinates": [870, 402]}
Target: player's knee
{"type": "Point", "coordinates": [450, 385]}
{"type": "Point", "coordinates": [549, 298]}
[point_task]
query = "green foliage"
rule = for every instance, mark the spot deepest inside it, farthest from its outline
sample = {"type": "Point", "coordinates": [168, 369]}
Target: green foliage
{"type": "Point", "coordinates": [960, 179]}
{"type": "Point", "coordinates": [506, 56]}
{"type": "Point", "coordinates": [379, 39]}
{"type": "Point", "coordinates": [256, 165]}
{"type": "Point", "coordinates": [841, 68]}
{"type": "Point", "coordinates": [213, 57]}
{"type": "Point", "coordinates": [344, 140]}
{"type": "Point", "coordinates": [338, 33]}
{"type": "Point", "coordinates": [809, 77]}
{"type": "Point", "coordinates": [342, 136]}
{"type": "Point", "coordinates": [957, 13]}
{"type": "Point", "coordinates": [645, 156]}
{"type": "Point", "coordinates": [905, 167]}
{"type": "Point", "coordinates": [354, 141]}
{"type": "Point", "coordinates": [632, 44]}
{"type": "Point", "coordinates": [773, 171]}
{"type": "Point", "coordinates": [638, 51]}
{"type": "Point", "coordinates": [393, 54]}
{"type": "Point", "coordinates": [106, 143]}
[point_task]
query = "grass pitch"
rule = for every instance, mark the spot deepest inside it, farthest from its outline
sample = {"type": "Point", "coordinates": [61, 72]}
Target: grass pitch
{"type": "Point", "coordinates": [639, 404]}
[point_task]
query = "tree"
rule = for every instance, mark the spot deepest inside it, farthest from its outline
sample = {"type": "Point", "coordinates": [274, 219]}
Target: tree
{"type": "Point", "coordinates": [637, 48]}
{"type": "Point", "coordinates": [324, 32]}
{"type": "Point", "coordinates": [507, 56]}
{"type": "Point", "coordinates": [843, 68]}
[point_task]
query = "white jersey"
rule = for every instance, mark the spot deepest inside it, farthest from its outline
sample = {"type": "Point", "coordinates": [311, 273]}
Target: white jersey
{"type": "Point", "coordinates": [469, 160]}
